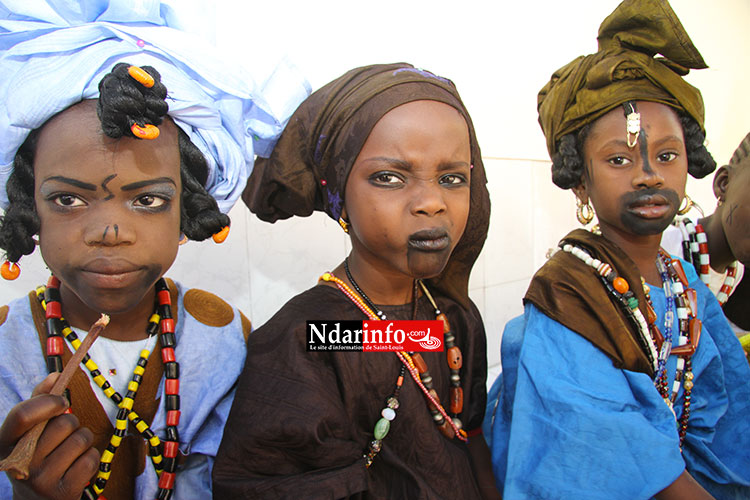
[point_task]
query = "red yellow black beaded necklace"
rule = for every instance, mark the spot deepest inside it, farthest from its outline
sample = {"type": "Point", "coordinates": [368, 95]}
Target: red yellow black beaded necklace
{"type": "Point", "coordinates": [163, 455]}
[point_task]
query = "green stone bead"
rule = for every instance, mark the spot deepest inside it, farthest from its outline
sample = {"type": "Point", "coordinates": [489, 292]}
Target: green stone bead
{"type": "Point", "coordinates": [633, 303]}
{"type": "Point", "coordinates": [381, 428]}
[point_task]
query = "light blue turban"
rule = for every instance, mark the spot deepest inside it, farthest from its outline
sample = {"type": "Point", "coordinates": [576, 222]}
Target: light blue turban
{"type": "Point", "coordinates": [53, 54]}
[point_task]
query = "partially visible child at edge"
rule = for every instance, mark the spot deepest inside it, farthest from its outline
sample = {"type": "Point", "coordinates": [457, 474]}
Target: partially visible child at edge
{"type": "Point", "coordinates": [389, 151]}
{"type": "Point", "coordinates": [105, 165]}
{"type": "Point", "coordinates": [722, 252]}
{"type": "Point", "coordinates": [623, 378]}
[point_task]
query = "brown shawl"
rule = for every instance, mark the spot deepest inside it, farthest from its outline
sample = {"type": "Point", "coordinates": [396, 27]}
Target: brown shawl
{"type": "Point", "coordinates": [570, 292]}
{"type": "Point", "coordinates": [310, 164]}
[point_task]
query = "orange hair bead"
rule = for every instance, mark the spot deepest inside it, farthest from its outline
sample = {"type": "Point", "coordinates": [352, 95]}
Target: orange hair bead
{"type": "Point", "coordinates": [140, 76]}
{"type": "Point", "coordinates": [10, 270]}
{"type": "Point", "coordinates": [149, 132]}
{"type": "Point", "coordinates": [221, 235]}
{"type": "Point", "coordinates": [620, 285]}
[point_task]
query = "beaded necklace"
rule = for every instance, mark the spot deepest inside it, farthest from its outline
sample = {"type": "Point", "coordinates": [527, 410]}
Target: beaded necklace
{"type": "Point", "coordinates": [165, 462]}
{"type": "Point", "coordinates": [449, 425]}
{"type": "Point", "coordinates": [658, 346]}
{"type": "Point", "coordinates": [695, 251]}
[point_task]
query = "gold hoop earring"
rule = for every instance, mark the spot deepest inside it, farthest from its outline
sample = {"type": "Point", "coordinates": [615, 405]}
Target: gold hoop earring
{"type": "Point", "coordinates": [584, 212]}
{"type": "Point", "coordinates": [688, 205]}
{"type": "Point", "coordinates": [344, 225]}
{"type": "Point", "coordinates": [183, 239]}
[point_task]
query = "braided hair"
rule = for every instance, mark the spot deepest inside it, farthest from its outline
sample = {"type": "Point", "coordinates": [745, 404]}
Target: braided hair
{"type": "Point", "coordinates": [123, 102]}
{"type": "Point", "coordinates": [568, 165]}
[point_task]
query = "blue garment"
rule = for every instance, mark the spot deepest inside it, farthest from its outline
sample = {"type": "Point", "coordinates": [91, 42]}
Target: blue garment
{"type": "Point", "coordinates": [206, 391]}
{"type": "Point", "coordinates": [53, 53]}
{"type": "Point", "coordinates": [563, 422]}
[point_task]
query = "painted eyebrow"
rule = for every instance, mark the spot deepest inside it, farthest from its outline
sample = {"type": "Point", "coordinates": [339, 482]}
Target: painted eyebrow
{"type": "Point", "coordinates": [137, 185]}
{"type": "Point", "coordinates": [70, 181]}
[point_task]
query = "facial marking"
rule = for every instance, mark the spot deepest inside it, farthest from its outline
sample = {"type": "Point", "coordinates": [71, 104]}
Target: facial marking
{"type": "Point", "coordinates": [104, 235]}
{"type": "Point", "coordinates": [644, 153]}
{"type": "Point", "coordinates": [106, 189]}
{"type": "Point", "coordinates": [117, 231]}
{"type": "Point", "coordinates": [730, 215]}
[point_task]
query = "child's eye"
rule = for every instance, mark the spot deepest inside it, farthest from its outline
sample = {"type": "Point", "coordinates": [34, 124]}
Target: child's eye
{"type": "Point", "coordinates": [150, 201]}
{"type": "Point", "coordinates": [667, 157]}
{"type": "Point", "coordinates": [453, 179]}
{"type": "Point", "coordinates": [68, 200]}
{"type": "Point", "coordinates": [388, 178]}
{"type": "Point", "coordinates": [618, 161]}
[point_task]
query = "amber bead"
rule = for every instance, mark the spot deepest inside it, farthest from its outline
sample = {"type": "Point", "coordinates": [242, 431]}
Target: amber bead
{"type": "Point", "coordinates": [446, 324]}
{"type": "Point", "coordinates": [419, 362]}
{"type": "Point", "coordinates": [657, 335]}
{"type": "Point", "coordinates": [677, 266]}
{"type": "Point", "coordinates": [434, 395]}
{"type": "Point", "coordinates": [620, 285]}
{"type": "Point", "coordinates": [692, 299]}
{"type": "Point", "coordinates": [650, 314]}
{"type": "Point", "coordinates": [695, 336]}
{"type": "Point", "coordinates": [455, 360]}
{"type": "Point", "coordinates": [446, 430]}
{"type": "Point", "coordinates": [457, 400]}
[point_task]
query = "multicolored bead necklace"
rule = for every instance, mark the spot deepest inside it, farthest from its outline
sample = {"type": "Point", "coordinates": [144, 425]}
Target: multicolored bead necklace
{"type": "Point", "coordinates": [695, 251]}
{"type": "Point", "coordinates": [449, 425]}
{"type": "Point", "coordinates": [165, 464]}
{"type": "Point", "coordinates": [658, 346]}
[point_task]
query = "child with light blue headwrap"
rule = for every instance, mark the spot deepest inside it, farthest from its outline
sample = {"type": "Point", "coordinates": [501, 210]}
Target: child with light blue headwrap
{"type": "Point", "coordinates": [119, 136]}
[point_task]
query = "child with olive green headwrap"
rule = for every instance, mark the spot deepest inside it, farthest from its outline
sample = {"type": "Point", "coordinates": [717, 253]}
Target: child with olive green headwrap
{"type": "Point", "coordinates": [623, 378]}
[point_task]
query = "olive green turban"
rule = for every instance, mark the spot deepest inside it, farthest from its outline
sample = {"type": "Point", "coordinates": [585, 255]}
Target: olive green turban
{"type": "Point", "coordinates": [624, 69]}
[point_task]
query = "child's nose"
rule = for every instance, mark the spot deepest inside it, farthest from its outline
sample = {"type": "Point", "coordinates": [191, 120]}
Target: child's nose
{"type": "Point", "coordinates": [646, 177]}
{"type": "Point", "coordinates": [428, 199]}
{"type": "Point", "coordinates": [109, 232]}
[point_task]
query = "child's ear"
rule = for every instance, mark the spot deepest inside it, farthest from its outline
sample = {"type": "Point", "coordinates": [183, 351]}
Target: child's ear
{"type": "Point", "coordinates": [721, 182]}
{"type": "Point", "coordinates": [580, 191]}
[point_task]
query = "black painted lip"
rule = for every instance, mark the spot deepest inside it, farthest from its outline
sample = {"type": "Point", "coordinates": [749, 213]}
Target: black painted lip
{"type": "Point", "coordinates": [430, 240]}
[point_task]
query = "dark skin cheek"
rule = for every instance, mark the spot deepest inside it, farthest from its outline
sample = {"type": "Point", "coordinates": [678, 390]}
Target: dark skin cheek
{"type": "Point", "coordinates": [106, 189]}
{"type": "Point", "coordinates": [644, 153]}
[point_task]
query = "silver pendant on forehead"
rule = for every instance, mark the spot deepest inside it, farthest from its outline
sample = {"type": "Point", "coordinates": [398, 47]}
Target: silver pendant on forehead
{"type": "Point", "coordinates": [632, 123]}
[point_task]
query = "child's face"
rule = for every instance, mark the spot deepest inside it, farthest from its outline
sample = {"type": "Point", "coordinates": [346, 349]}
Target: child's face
{"type": "Point", "coordinates": [109, 209]}
{"type": "Point", "coordinates": [736, 210]}
{"type": "Point", "coordinates": [635, 191]}
{"type": "Point", "coordinates": [407, 196]}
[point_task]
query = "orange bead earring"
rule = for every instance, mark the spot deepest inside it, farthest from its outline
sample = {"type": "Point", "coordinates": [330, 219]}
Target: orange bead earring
{"type": "Point", "coordinates": [221, 235]}
{"type": "Point", "coordinates": [10, 270]}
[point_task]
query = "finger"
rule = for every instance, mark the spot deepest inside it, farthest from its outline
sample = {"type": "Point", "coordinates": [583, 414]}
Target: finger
{"type": "Point", "coordinates": [75, 447]}
{"type": "Point", "coordinates": [45, 385]}
{"type": "Point", "coordinates": [81, 472]}
{"type": "Point", "coordinates": [26, 414]}
{"type": "Point", "coordinates": [58, 429]}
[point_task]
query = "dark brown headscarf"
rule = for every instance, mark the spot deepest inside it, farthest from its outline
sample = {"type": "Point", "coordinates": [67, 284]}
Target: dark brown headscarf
{"type": "Point", "coordinates": [624, 69]}
{"type": "Point", "coordinates": [570, 292]}
{"type": "Point", "coordinates": [310, 164]}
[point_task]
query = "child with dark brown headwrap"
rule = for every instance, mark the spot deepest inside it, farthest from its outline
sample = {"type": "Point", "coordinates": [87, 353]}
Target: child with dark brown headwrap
{"type": "Point", "coordinates": [390, 152]}
{"type": "Point", "coordinates": [623, 379]}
